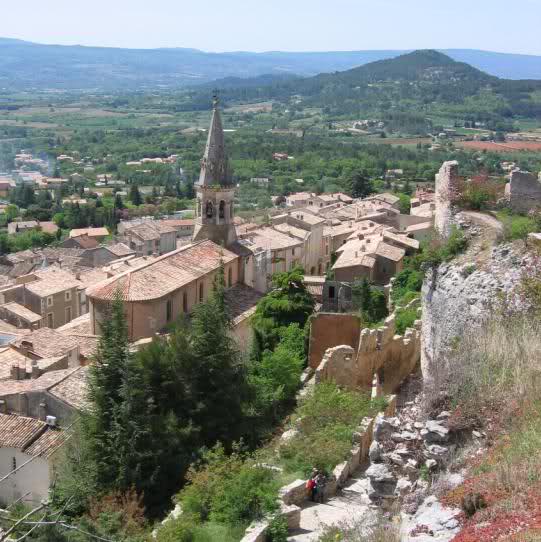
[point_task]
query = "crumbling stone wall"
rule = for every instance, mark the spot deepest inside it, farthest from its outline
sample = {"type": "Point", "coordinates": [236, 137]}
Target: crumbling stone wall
{"type": "Point", "coordinates": [331, 329]}
{"type": "Point", "coordinates": [523, 191]}
{"type": "Point", "coordinates": [378, 352]}
{"type": "Point", "coordinates": [446, 191]}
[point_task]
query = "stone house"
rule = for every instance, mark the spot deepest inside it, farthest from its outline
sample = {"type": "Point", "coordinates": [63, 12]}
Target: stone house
{"type": "Point", "coordinates": [149, 238]}
{"type": "Point", "coordinates": [309, 229]}
{"type": "Point", "coordinates": [34, 444]}
{"type": "Point", "coordinates": [21, 227]}
{"type": "Point", "coordinates": [95, 233]}
{"type": "Point", "coordinates": [369, 254]}
{"type": "Point", "coordinates": [52, 293]}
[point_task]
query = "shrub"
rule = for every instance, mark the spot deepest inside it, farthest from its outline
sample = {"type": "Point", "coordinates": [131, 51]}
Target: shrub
{"type": "Point", "coordinates": [327, 419]}
{"type": "Point", "coordinates": [405, 318]}
{"type": "Point", "coordinates": [517, 226]}
{"type": "Point", "coordinates": [231, 490]}
{"type": "Point", "coordinates": [278, 530]}
{"type": "Point", "coordinates": [406, 286]}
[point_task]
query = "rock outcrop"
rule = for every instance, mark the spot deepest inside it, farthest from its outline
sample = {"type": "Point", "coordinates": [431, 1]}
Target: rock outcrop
{"type": "Point", "coordinates": [457, 297]}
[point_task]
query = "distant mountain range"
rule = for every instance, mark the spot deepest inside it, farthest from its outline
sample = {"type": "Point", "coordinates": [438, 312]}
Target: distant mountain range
{"type": "Point", "coordinates": [25, 65]}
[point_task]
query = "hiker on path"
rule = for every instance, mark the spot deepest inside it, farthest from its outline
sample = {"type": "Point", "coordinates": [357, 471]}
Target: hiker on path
{"type": "Point", "coordinates": [311, 485]}
{"type": "Point", "coordinates": [321, 482]}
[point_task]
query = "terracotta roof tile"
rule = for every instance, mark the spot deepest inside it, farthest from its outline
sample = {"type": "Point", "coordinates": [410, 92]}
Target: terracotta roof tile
{"type": "Point", "coordinates": [91, 232]}
{"type": "Point", "coordinates": [52, 280]}
{"type": "Point", "coordinates": [47, 443]}
{"type": "Point", "coordinates": [48, 343]}
{"type": "Point", "coordinates": [241, 301]}
{"type": "Point", "coordinates": [18, 431]}
{"type": "Point", "coordinates": [165, 274]}
{"type": "Point", "coordinates": [21, 312]}
{"type": "Point", "coordinates": [73, 389]}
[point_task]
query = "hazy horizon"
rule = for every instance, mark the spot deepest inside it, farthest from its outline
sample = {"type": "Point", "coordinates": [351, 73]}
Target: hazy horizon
{"type": "Point", "coordinates": [316, 26]}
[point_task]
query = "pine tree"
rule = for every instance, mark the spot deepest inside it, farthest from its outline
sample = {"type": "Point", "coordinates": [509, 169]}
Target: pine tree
{"type": "Point", "coordinates": [219, 378]}
{"type": "Point", "coordinates": [135, 195]}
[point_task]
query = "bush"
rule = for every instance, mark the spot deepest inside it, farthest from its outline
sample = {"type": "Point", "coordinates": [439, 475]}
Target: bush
{"type": "Point", "coordinates": [407, 285]}
{"type": "Point", "coordinates": [231, 490]}
{"type": "Point", "coordinates": [405, 318]}
{"type": "Point", "coordinates": [517, 226]}
{"type": "Point", "coordinates": [278, 530]}
{"type": "Point", "coordinates": [327, 419]}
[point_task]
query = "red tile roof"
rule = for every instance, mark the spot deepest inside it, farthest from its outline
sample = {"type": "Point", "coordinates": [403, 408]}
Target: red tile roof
{"type": "Point", "coordinates": [18, 431]}
{"type": "Point", "coordinates": [33, 437]}
{"type": "Point", "coordinates": [165, 274]}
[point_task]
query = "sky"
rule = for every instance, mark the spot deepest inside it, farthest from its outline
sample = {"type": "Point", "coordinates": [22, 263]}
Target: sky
{"type": "Point", "coordinates": [285, 25]}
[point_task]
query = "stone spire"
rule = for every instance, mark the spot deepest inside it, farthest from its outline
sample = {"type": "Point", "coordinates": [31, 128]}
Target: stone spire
{"type": "Point", "coordinates": [215, 170]}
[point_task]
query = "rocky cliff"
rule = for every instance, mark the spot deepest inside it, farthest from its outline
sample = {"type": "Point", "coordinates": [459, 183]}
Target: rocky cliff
{"type": "Point", "coordinates": [459, 296]}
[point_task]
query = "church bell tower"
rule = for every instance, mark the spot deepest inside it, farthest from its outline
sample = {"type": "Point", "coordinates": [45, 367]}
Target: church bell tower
{"type": "Point", "coordinates": [215, 189]}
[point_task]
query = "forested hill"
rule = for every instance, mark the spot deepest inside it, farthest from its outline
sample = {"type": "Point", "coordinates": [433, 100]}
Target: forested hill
{"type": "Point", "coordinates": [417, 83]}
{"type": "Point", "coordinates": [25, 65]}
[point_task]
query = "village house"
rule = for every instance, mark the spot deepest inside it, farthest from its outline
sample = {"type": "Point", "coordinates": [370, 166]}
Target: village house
{"type": "Point", "coordinates": [99, 234]}
{"type": "Point", "coordinates": [151, 237]}
{"type": "Point", "coordinates": [52, 293]}
{"type": "Point", "coordinates": [309, 229]}
{"type": "Point", "coordinates": [22, 227]}
{"type": "Point", "coordinates": [34, 444]}
{"type": "Point", "coordinates": [374, 252]}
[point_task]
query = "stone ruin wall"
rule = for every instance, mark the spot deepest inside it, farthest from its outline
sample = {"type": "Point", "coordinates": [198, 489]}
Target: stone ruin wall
{"type": "Point", "coordinates": [446, 191]}
{"type": "Point", "coordinates": [523, 192]}
{"type": "Point", "coordinates": [332, 329]}
{"type": "Point", "coordinates": [379, 352]}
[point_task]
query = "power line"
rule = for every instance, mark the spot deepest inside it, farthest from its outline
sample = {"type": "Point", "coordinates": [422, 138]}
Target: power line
{"type": "Point", "coordinates": [25, 517]}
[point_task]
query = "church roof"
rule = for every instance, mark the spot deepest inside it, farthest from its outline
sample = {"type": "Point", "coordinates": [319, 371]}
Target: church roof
{"type": "Point", "coordinates": [215, 168]}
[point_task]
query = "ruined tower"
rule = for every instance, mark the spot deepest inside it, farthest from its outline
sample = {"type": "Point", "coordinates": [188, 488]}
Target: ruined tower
{"type": "Point", "coordinates": [215, 189]}
{"type": "Point", "coordinates": [447, 181]}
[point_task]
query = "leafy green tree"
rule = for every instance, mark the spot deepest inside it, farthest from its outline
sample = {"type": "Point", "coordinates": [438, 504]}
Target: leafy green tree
{"type": "Point", "coordinates": [360, 185]}
{"type": "Point", "coordinates": [289, 303]}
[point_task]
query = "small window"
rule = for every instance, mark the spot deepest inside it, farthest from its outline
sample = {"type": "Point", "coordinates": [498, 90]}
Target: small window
{"type": "Point", "coordinates": [293, 252]}
{"type": "Point", "coordinates": [68, 314]}
{"type": "Point", "coordinates": [201, 293]}
{"type": "Point", "coordinates": [169, 310]}
{"type": "Point", "coordinates": [50, 320]}
{"type": "Point", "coordinates": [68, 295]}
{"type": "Point", "coordinates": [230, 277]}
{"type": "Point", "coordinates": [185, 302]}
{"type": "Point", "coordinates": [13, 463]}
{"type": "Point", "coordinates": [50, 301]}
{"type": "Point", "coordinates": [331, 292]}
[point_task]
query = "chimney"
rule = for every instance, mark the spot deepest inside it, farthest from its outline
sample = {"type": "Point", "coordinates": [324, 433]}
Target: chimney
{"type": "Point", "coordinates": [23, 404]}
{"type": "Point", "coordinates": [14, 372]}
{"type": "Point", "coordinates": [42, 411]}
{"type": "Point", "coordinates": [35, 370]}
{"type": "Point", "coordinates": [3, 407]}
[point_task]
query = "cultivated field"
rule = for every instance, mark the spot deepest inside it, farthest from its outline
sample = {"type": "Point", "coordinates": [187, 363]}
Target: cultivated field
{"type": "Point", "coordinates": [501, 147]}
